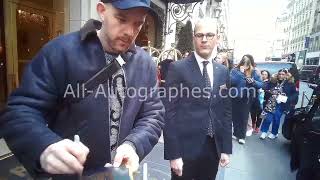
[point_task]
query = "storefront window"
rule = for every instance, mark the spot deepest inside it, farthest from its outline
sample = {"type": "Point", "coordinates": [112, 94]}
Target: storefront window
{"type": "Point", "coordinates": [147, 33]}
{"type": "Point", "coordinates": [33, 31]}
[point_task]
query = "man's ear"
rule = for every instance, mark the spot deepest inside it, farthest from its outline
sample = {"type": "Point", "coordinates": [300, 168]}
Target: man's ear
{"type": "Point", "coordinates": [101, 9]}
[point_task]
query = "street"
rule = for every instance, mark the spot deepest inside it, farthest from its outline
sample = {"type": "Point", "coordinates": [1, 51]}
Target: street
{"type": "Point", "coordinates": [257, 159]}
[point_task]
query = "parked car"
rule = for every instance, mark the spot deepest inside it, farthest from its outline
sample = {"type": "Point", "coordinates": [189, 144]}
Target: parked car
{"type": "Point", "coordinates": [274, 66]}
{"type": "Point", "coordinates": [305, 135]}
{"type": "Point", "coordinates": [307, 72]}
{"type": "Point", "coordinates": [315, 77]}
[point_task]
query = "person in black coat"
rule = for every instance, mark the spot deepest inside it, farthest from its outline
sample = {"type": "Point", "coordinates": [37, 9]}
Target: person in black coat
{"type": "Point", "coordinates": [260, 102]}
{"type": "Point", "coordinates": [305, 146]}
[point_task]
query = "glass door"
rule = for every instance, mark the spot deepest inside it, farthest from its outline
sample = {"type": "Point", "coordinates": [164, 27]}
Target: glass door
{"type": "Point", "coordinates": [33, 31]}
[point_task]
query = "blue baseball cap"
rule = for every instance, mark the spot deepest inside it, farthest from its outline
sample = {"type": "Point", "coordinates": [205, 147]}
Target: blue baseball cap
{"type": "Point", "coordinates": [128, 4]}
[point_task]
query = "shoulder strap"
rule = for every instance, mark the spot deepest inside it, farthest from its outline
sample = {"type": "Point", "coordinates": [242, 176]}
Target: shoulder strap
{"type": "Point", "coordinates": [93, 83]}
{"type": "Point", "coordinates": [102, 76]}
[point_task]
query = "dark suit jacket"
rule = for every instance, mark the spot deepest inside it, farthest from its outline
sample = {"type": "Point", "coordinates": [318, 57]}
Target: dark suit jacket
{"type": "Point", "coordinates": [186, 117]}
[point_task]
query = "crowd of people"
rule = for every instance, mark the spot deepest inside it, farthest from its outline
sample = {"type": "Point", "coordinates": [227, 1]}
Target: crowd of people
{"type": "Point", "coordinates": [275, 99]}
{"type": "Point", "coordinates": [273, 96]}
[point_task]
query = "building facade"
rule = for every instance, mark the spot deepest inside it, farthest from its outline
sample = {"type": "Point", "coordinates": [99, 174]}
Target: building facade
{"type": "Point", "coordinates": [180, 10]}
{"type": "Point", "coordinates": [313, 53]}
{"type": "Point", "coordinates": [219, 10]}
{"type": "Point", "coordinates": [300, 13]}
{"type": "Point", "coordinates": [300, 23]}
{"type": "Point", "coordinates": [279, 44]}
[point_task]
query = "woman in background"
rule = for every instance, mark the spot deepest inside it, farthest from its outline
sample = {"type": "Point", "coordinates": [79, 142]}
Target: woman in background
{"type": "Point", "coordinates": [283, 94]}
{"type": "Point", "coordinates": [245, 82]}
{"type": "Point", "coordinates": [259, 104]}
{"type": "Point", "coordinates": [222, 58]}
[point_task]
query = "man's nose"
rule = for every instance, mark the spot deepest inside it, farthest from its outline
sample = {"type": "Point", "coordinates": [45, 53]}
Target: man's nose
{"type": "Point", "coordinates": [204, 39]}
{"type": "Point", "coordinates": [129, 31]}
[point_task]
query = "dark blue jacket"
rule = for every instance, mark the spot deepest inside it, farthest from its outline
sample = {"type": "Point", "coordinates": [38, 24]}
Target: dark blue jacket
{"type": "Point", "coordinates": [187, 116]}
{"type": "Point", "coordinates": [240, 86]}
{"type": "Point", "coordinates": [39, 102]}
{"type": "Point", "coordinates": [289, 89]}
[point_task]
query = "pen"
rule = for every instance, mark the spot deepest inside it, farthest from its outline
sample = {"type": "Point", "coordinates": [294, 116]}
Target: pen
{"type": "Point", "coordinates": [76, 138]}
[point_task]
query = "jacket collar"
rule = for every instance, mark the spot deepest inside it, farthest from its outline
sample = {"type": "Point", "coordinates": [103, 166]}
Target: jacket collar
{"type": "Point", "coordinates": [90, 30]}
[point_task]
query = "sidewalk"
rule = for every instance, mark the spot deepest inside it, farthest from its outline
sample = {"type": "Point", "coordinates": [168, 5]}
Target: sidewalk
{"type": "Point", "coordinates": [260, 159]}
{"type": "Point", "coordinates": [256, 160]}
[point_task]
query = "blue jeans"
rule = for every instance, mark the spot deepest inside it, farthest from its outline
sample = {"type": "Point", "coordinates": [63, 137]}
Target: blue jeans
{"type": "Point", "coordinates": [275, 118]}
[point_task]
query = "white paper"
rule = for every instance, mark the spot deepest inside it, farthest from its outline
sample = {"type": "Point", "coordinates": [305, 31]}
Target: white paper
{"type": "Point", "coordinates": [282, 98]}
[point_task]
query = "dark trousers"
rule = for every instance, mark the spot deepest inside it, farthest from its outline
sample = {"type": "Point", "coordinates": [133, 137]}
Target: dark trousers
{"type": "Point", "coordinates": [204, 167]}
{"type": "Point", "coordinates": [240, 115]}
{"type": "Point", "coordinates": [308, 174]}
{"type": "Point", "coordinates": [255, 112]}
{"type": "Point", "coordinates": [255, 116]}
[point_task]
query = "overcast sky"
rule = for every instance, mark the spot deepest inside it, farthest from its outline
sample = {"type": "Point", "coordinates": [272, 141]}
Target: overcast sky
{"type": "Point", "coordinates": [252, 24]}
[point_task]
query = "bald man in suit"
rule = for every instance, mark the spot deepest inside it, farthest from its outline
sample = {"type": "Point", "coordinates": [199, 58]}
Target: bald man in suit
{"type": "Point", "coordinates": [198, 130]}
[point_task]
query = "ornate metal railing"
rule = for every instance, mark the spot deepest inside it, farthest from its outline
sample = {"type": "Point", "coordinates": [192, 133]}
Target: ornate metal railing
{"type": "Point", "coordinates": [179, 13]}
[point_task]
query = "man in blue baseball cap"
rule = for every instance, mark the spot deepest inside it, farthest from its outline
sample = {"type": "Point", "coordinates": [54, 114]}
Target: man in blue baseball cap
{"type": "Point", "coordinates": [114, 125]}
{"type": "Point", "coordinates": [116, 14]}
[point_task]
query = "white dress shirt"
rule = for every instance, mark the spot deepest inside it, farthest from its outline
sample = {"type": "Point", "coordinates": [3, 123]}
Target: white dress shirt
{"type": "Point", "coordinates": [209, 66]}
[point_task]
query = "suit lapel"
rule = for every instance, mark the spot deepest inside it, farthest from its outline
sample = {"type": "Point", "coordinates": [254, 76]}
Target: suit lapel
{"type": "Point", "coordinates": [196, 75]}
{"type": "Point", "coordinates": [216, 83]}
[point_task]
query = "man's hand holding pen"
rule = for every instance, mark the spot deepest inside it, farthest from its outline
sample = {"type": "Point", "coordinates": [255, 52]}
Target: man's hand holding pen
{"type": "Point", "coordinates": [64, 157]}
